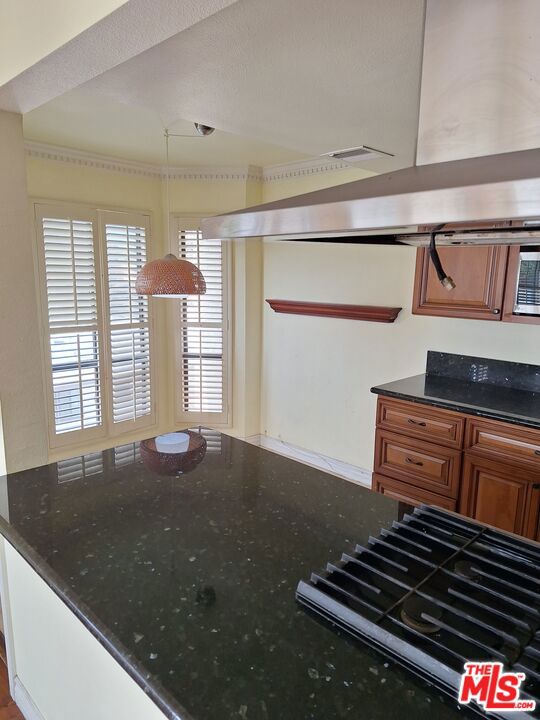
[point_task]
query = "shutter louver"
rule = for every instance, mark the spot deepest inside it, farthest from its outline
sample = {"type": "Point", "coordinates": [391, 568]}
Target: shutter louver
{"type": "Point", "coordinates": [72, 310]}
{"type": "Point", "coordinates": [126, 454]}
{"type": "Point", "coordinates": [78, 468]}
{"type": "Point", "coordinates": [202, 330]}
{"type": "Point", "coordinates": [213, 440]}
{"type": "Point", "coordinates": [129, 324]}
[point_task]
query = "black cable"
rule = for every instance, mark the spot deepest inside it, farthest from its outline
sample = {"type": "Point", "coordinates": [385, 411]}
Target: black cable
{"type": "Point", "coordinates": [445, 280]}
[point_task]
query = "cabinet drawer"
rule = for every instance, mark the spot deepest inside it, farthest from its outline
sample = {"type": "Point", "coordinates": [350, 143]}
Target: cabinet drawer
{"type": "Point", "coordinates": [504, 441]}
{"type": "Point", "coordinates": [443, 427]}
{"type": "Point", "coordinates": [403, 492]}
{"type": "Point", "coordinates": [419, 463]}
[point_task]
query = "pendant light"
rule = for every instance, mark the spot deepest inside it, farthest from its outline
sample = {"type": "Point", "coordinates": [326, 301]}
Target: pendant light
{"type": "Point", "coordinates": [171, 277]}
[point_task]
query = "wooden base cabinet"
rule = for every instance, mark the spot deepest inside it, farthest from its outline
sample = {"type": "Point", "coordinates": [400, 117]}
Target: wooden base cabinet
{"type": "Point", "coordinates": [485, 469]}
{"type": "Point", "coordinates": [500, 494]}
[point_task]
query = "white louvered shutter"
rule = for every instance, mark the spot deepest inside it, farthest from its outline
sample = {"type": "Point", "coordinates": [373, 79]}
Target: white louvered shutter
{"type": "Point", "coordinates": [202, 325]}
{"type": "Point", "coordinates": [97, 333]}
{"type": "Point", "coordinates": [129, 330]}
{"type": "Point", "coordinates": [72, 315]}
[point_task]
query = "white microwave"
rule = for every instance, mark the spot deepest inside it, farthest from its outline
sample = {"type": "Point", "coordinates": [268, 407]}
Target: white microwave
{"type": "Point", "coordinates": [527, 301]}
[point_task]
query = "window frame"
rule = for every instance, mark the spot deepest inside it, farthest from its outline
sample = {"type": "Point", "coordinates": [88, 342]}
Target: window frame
{"type": "Point", "coordinates": [99, 216]}
{"type": "Point", "coordinates": [191, 221]}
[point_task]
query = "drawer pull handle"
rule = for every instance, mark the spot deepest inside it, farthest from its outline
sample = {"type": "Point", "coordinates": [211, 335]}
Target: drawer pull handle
{"type": "Point", "coordinates": [416, 422]}
{"type": "Point", "coordinates": [537, 452]}
{"type": "Point", "coordinates": [413, 462]}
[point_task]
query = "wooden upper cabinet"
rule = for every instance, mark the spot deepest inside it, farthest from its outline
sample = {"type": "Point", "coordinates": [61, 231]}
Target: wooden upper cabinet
{"type": "Point", "coordinates": [479, 273]}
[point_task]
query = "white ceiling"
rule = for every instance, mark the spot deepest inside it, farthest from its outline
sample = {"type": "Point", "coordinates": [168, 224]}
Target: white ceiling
{"type": "Point", "coordinates": [282, 80]}
{"type": "Point", "coordinates": [87, 120]}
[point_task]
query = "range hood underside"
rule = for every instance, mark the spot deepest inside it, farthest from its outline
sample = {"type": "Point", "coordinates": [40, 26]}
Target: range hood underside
{"type": "Point", "coordinates": [487, 200]}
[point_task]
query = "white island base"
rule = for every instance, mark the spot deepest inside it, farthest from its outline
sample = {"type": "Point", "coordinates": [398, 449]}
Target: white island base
{"type": "Point", "coordinates": [57, 669]}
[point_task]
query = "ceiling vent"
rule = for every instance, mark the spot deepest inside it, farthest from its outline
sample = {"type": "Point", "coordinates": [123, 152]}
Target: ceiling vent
{"type": "Point", "coordinates": [357, 155]}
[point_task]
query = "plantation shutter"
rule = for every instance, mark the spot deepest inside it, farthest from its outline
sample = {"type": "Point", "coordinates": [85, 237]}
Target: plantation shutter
{"type": "Point", "coordinates": [72, 318]}
{"type": "Point", "coordinates": [202, 326]}
{"type": "Point", "coordinates": [129, 331]}
{"type": "Point", "coordinates": [97, 333]}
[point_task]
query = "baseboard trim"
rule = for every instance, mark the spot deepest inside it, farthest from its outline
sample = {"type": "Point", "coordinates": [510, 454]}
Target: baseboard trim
{"type": "Point", "coordinates": [24, 702]}
{"type": "Point", "coordinates": [344, 470]}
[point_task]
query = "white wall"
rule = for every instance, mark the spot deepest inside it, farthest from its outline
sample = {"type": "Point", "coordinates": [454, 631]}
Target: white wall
{"type": "Point", "coordinates": [21, 392]}
{"type": "Point", "coordinates": [32, 29]}
{"type": "Point", "coordinates": [317, 372]}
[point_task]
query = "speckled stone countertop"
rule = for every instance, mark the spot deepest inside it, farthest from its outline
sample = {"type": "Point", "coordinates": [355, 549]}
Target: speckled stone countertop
{"type": "Point", "coordinates": [494, 389]}
{"type": "Point", "coordinates": [190, 581]}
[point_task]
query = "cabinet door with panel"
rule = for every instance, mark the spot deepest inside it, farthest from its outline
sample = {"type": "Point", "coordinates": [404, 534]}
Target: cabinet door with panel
{"type": "Point", "coordinates": [500, 494]}
{"type": "Point", "coordinates": [479, 273]}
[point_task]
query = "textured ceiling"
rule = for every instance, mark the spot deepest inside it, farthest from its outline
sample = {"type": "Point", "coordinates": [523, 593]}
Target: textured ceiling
{"type": "Point", "coordinates": [134, 27]}
{"type": "Point", "coordinates": [305, 77]}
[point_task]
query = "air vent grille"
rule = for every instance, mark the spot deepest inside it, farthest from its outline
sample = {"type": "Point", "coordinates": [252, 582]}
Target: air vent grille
{"type": "Point", "coordinates": [357, 154]}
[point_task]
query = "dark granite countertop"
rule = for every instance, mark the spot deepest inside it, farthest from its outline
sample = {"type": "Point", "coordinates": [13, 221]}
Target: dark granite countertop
{"type": "Point", "coordinates": [478, 386]}
{"type": "Point", "coordinates": [189, 581]}
{"type": "Point", "coordinates": [520, 407]}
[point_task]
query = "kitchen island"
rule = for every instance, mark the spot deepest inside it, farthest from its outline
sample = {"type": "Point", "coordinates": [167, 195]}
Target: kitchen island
{"type": "Point", "coordinates": [187, 586]}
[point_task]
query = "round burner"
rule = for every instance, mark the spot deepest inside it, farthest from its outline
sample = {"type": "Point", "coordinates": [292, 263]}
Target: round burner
{"type": "Point", "coordinates": [414, 608]}
{"type": "Point", "coordinates": [466, 569]}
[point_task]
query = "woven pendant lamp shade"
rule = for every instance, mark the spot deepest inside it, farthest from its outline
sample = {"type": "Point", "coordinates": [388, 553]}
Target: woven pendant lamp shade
{"type": "Point", "coordinates": [170, 277]}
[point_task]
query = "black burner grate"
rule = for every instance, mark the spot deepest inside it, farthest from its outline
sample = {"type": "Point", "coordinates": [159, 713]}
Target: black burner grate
{"type": "Point", "coordinates": [436, 591]}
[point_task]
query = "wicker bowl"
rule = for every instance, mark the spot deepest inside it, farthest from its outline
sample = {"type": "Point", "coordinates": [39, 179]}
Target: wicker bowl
{"type": "Point", "coordinates": [174, 463]}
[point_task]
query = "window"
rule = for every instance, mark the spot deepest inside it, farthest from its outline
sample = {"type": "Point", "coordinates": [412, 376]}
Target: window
{"type": "Point", "coordinates": [98, 333]}
{"type": "Point", "coordinates": [201, 328]}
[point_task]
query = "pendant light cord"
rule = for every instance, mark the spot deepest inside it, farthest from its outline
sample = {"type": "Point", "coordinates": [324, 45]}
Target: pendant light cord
{"type": "Point", "coordinates": [167, 189]}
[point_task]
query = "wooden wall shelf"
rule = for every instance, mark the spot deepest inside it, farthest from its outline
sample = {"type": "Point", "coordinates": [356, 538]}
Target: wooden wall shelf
{"type": "Point", "coordinates": [371, 313]}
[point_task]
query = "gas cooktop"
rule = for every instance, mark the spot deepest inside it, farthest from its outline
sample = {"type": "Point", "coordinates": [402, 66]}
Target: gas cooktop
{"type": "Point", "coordinates": [436, 591]}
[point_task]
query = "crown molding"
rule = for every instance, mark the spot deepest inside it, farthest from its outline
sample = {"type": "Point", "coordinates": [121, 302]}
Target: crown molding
{"type": "Point", "coordinates": [44, 151]}
{"type": "Point", "coordinates": [312, 166]}
{"type": "Point", "coordinates": [270, 173]}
